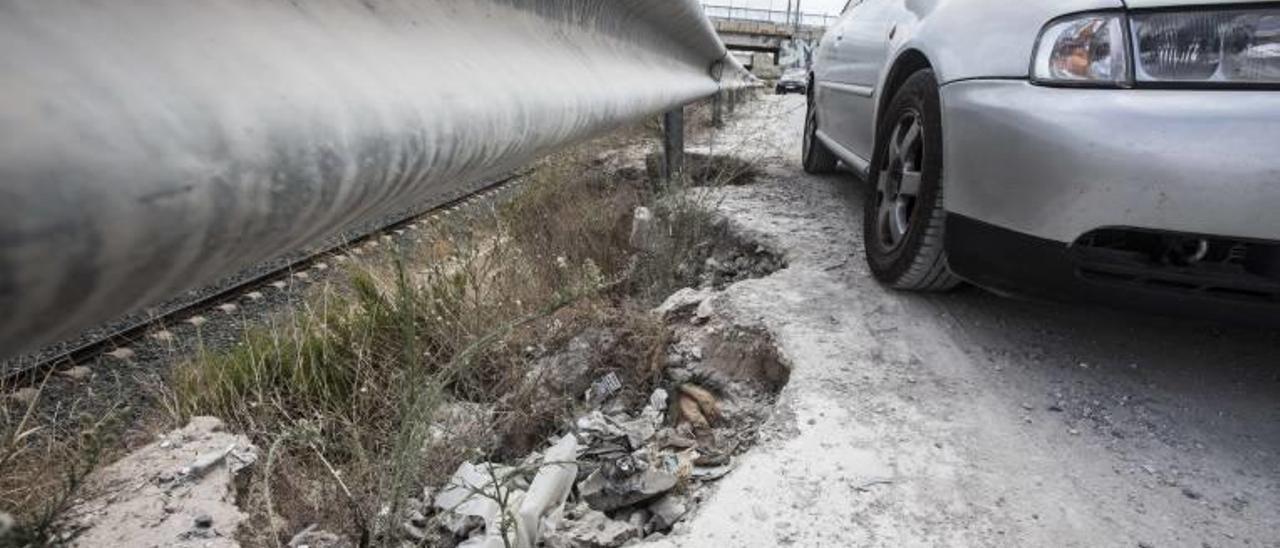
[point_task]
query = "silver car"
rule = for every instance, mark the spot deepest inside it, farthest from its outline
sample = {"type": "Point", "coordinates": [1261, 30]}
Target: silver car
{"type": "Point", "coordinates": [1127, 150]}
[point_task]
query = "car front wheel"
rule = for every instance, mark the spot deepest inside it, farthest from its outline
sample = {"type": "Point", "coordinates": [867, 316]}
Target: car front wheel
{"type": "Point", "coordinates": [904, 221]}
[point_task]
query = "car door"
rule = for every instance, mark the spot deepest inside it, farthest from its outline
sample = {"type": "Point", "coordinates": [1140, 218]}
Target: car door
{"type": "Point", "coordinates": [857, 52]}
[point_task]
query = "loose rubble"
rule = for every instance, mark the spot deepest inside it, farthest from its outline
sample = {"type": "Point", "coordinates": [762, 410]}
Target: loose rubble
{"type": "Point", "coordinates": [623, 473]}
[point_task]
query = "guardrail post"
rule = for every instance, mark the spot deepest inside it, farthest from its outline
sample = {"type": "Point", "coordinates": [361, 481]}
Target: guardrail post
{"type": "Point", "coordinates": [733, 101]}
{"type": "Point", "coordinates": [673, 144]}
{"type": "Point", "coordinates": [717, 108]}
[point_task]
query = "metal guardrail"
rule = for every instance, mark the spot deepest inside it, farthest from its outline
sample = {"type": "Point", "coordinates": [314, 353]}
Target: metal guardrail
{"type": "Point", "coordinates": [150, 147]}
{"type": "Point", "coordinates": [780, 17]}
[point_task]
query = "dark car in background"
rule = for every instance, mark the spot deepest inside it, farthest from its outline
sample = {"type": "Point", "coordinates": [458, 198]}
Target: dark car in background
{"type": "Point", "coordinates": [793, 81]}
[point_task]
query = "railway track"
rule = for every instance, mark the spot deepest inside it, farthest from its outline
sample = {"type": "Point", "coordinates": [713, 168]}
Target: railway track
{"type": "Point", "coordinates": [132, 332]}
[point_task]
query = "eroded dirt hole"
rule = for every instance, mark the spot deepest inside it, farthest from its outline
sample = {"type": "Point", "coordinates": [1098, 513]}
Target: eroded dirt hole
{"type": "Point", "coordinates": [651, 431]}
{"type": "Point", "coordinates": [702, 168]}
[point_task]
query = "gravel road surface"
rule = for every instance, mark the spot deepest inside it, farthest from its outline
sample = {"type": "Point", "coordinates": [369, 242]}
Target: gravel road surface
{"type": "Point", "coordinates": [968, 419]}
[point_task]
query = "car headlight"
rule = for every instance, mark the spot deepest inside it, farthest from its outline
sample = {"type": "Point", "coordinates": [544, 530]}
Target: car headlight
{"type": "Point", "coordinates": [1229, 46]}
{"type": "Point", "coordinates": [1087, 49]}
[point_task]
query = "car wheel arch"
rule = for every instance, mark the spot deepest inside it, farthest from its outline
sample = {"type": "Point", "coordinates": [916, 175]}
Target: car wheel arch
{"type": "Point", "coordinates": [909, 61]}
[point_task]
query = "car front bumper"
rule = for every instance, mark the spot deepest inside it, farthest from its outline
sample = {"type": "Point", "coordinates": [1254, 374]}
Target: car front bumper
{"type": "Point", "coordinates": [1057, 162]}
{"type": "Point", "coordinates": [1040, 181]}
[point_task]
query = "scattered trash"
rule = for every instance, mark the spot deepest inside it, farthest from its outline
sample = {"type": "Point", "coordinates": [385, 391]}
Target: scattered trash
{"type": "Point", "coordinates": [706, 402]}
{"type": "Point", "coordinates": [603, 389]}
{"type": "Point", "coordinates": [547, 493]}
{"type": "Point", "coordinates": [644, 231]}
{"type": "Point", "coordinates": [594, 530]}
{"type": "Point", "coordinates": [463, 502]}
{"type": "Point", "coordinates": [606, 491]}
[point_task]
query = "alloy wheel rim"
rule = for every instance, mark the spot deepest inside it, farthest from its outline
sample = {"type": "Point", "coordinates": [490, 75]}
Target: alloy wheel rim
{"type": "Point", "coordinates": [898, 186]}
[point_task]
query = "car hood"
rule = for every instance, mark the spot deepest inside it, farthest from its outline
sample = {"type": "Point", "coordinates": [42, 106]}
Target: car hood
{"type": "Point", "coordinates": [1139, 4]}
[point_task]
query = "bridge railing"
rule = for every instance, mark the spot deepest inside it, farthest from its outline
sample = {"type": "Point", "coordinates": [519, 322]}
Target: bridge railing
{"type": "Point", "coordinates": [781, 17]}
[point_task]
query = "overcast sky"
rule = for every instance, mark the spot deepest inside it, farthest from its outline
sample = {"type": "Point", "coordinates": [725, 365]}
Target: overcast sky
{"type": "Point", "coordinates": [809, 6]}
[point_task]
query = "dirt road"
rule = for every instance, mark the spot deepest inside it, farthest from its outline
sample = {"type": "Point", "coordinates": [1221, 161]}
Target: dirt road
{"type": "Point", "coordinates": [968, 419]}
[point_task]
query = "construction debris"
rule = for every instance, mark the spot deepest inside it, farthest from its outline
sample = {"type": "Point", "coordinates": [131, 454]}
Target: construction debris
{"type": "Point", "coordinates": [593, 530]}
{"type": "Point", "coordinates": [613, 488]}
{"type": "Point", "coordinates": [178, 491]}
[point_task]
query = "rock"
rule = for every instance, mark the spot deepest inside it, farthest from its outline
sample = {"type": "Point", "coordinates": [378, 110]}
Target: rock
{"type": "Point", "coordinates": [281, 285]}
{"type": "Point", "coordinates": [204, 463]}
{"type": "Point", "coordinates": [6, 524]}
{"type": "Point", "coordinates": [594, 530]}
{"type": "Point", "coordinates": [644, 230]}
{"type": "Point", "coordinates": [567, 372]}
{"type": "Point", "coordinates": [25, 396]}
{"type": "Point", "coordinates": [197, 321]}
{"type": "Point", "coordinates": [253, 295]}
{"type": "Point", "coordinates": [639, 431]}
{"type": "Point", "coordinates": [682, 303]}
{"type": "Point", "coordinates": [163, 335]}
{"type": "Point", "coordinates": [666, 512]}
{"type": "Point", "coordinates": [122, 354]}
{"type": "Point", "coordinates": [606, 494]}
{"type": "Point", "coordinates": [1191, 493]}
{"type": "Point", "coordinates": [78, 373]}
{"type": "Point", "coordinates": [704, 311]}
{"type": "Point", "coordinates": [711, 474]}
{"type": "Point", "coordinates": [228, 308]}
{"type": "Point", "coordinates": [129, 502]}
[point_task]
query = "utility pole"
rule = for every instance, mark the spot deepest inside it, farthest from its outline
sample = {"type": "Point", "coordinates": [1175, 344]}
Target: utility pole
{"type": "Point", "coordinates": [798, 12]}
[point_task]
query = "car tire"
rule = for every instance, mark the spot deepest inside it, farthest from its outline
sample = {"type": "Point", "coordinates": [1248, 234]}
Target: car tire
{"type": "Point", "coordinates": [815, 156]}
{"type": "Point", "coordinates": [904, 221]}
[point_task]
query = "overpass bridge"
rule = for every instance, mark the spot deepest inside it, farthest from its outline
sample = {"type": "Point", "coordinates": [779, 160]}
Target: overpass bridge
{"type": "Point", "coordinates": [784, 38]}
